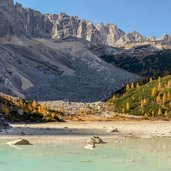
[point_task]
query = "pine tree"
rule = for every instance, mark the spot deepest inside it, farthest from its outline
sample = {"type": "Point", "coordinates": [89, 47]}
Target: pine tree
{"type": "Point", "coordinates": [145, 102]}
{"type": "Point", "coordinates": [168, 96]}
{"type": "Point", "coordinates": [123, 110]}
{"type": "Point", "coordinates": [151, 80]}
{"type": "Point", "coordinates": [153, 114]}
{"type": "Point", "coordinates": [166, 114]}
{"type": "Point", "coordinates": [53, 115]}
{"type": "Point", "coordinates": [153, 92]}
{"type": "Point", "coordinates": [127, 87]}
{"type": "Point", "coordinates": [137, 86]}
{"type": "Point", "coordinates": [132, 86]}
{"type": "Point", "coordinates": [169, 84]}
{"type": "Point", "coordinates": [114, 97]}
{"type": "Point", "coordinates": [158, 99]}
{"type": "Point", "coordinates": [142, 103]}
{"type": "Point", "coordinates": [164, 98]}
{"type": "Point", "coordinates": [159, 87]}
{"type": "Point", "coordinates": [159, 112]}
{"type": "Point", "coordinates": [34, 104]}
{"type": "Point", "coordinates": [127, 106]}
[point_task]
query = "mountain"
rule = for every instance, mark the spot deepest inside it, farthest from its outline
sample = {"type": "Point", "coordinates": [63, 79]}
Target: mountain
{"type": "Point", "coordinates": [146, 61]}
{"type": "Point", "coordinates": [24, 22]}
{"type": "Point", "coordinates": [150, 100]}
{"type": "Point", "coordinates": [43, 58]}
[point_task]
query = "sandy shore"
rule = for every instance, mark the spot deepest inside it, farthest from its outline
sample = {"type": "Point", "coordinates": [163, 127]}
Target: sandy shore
{"type": "Point", "coordinates": [80, 131]}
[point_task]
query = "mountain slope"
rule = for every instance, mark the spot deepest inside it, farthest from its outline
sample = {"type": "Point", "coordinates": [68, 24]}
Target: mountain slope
{"type": "Point", "coordinates": [142, 60]}
{"type": "Point", "coordinates": [46, 70]}
{"type": "Point", "coordinates": [151, 99]}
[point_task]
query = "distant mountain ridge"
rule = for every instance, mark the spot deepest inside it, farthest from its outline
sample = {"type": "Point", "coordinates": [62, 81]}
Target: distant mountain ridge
{"type": "Point", "coordinates": [32, 23]}
{"type": "Point", "coordinates": [42, 58]}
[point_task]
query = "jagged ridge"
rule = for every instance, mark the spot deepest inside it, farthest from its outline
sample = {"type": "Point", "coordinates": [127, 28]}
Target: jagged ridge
{"type": "Point", "coordinates": [18, 21]}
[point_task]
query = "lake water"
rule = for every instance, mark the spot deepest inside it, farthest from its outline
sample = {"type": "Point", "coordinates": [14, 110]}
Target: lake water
{"type": "Point", "coordinates": [132, 154]}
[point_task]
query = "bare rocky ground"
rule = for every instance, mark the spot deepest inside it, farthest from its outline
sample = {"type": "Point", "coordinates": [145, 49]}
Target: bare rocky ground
{"type": "Point", "coordinates": [47, 70]}
{"type": "Point", "coordinates": [74, 108]}
{"type": "Point", "coordinates": [97, 111]}
{"type": "Point", "coordinates": [82, 131]}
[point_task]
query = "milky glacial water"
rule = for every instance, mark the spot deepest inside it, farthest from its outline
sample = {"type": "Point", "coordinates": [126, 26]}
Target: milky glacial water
{"type": "Point", "coordinates": [131, 154]}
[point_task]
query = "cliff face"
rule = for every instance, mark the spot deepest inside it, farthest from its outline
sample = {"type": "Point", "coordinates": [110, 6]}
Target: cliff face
{"type": "Point", "coordinates": [22, 22]}
{"type": "Point", "coordinates": [69, 26]}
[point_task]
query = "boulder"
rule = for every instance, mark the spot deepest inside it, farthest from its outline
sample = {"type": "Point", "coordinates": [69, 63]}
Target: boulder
{"type": "Point", "coordinates": [98, 140]}
{"type": "Point", "coordinates": [110, 130]}
{"type": "Point", "coordinates": [19, 142]}
{"type": "Point", "coordinates": [91, 141]}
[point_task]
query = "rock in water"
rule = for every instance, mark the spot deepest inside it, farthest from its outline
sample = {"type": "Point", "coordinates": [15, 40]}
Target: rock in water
{"type": "Point", "coordinates": [110, 130]}
{"type": "Point", "coordinates": [19, 142]}
{"type": "Point", "coordinates": [98, 140]}
{"type": "Point", "coordinates": [91, 141]}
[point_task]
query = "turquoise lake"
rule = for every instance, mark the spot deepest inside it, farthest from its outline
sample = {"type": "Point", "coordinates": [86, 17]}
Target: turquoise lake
{"type": "Point", "coordinates": [131, 154]}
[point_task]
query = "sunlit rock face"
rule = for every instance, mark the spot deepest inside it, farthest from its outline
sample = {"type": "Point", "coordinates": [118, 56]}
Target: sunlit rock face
{"type": "Point", "coordinates": [22, 22]}
{"type": "Point", "coordinates": [18, 21]}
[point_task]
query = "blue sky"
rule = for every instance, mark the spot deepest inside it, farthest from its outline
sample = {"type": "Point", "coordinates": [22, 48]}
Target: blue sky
{"type": "Point", "coordinates": [149, 17]}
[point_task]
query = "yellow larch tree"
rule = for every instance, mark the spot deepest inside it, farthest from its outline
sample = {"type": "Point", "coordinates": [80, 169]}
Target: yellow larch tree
{"type": "Point", "coordinates": [153, 92]}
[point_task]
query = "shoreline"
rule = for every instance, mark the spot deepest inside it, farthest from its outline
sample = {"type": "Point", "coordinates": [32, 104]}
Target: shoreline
{"type": "Point", "coordinates": [81, 131]}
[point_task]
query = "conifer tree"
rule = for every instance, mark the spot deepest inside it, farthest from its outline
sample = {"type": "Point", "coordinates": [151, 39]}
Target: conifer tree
{"type": "Point", "coordinates": [159, 112]}
{"type": "Point", "coordinates": [127, 87]}
{"type": "Point", "coordinates": [132, 86]}
{"type": "Point", "coordinates": [153, 91]}
{"type": "Point", "coordinates": [164, 98]}
{"type": "Point", "coordinates": [159, 87]}
{"type": "Point", "coordinates": [169, 84]}
{"type": "Point", "coordinates": [137, 86]}
{"type": "Point", "coordinates": [168, 96]}
{"type": "Point", "coordinates": [34, 104]}
{"type": "Point", "coordinates": [158, 99]}
{"type": "Point", "coordinates": [123, 110]}
{"type": "Point", "coordinates": [127, 106]}
{"type": "Point", "coordinates": [145, 102]}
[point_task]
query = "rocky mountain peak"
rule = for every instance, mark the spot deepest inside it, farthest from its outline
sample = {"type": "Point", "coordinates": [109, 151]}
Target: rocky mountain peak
{"type": "Point", "coordinates": [110, 33]}
{"type": "Point", "coordinates": [131, 38]}
{"type": "Point", "coordinates": [7, 2]}
{"type": "Point", "coordinates": [18, 21]}
{"type": "Point", "coordinates": [166, 38]}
